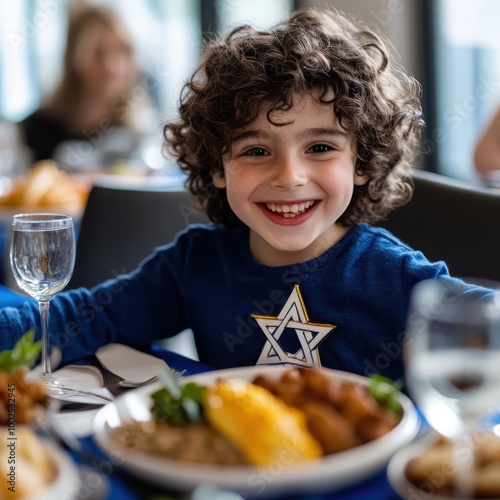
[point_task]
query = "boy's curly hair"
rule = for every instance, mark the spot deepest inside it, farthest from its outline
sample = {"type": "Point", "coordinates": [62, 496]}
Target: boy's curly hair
{"type": "Point", "coordinates": [312, 53]}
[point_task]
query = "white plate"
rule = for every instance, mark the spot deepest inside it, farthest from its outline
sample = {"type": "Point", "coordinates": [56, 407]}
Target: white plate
{"type": "Point", "coordinates": [85, 377]}
{"type": "Point", "coordinates": [129, 363]}
{"type": "Point", "coordinates": [329, 473]}
{"type": "Point", "coordinates": [397, 467]}
{"type": "Point", "coordinates": [78, 377]}
{"type": "Point", "coordinates": [67, 481]}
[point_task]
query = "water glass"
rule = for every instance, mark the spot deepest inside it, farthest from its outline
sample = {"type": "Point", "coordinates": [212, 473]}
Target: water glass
{"type": "Point", "coordinates": [452, 359]}
{"type": "Point", "coordinates": [42, 257]}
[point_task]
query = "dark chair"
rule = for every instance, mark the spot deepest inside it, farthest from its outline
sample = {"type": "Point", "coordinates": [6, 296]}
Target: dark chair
{"type": "Point", "coordinates": [454, 221]}
{"type": "Point", "coordinates": [122, 225]}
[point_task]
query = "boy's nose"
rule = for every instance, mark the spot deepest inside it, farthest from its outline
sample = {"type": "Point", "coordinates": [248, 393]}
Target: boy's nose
{"type": "Point", "coordinates": [288, 174]}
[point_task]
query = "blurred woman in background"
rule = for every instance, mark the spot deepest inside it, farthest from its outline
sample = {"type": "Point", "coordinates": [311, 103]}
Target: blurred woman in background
{"type": "Point", "coordinates": [487, 150]}
{"type": "Point", "coordinates": [93, 118]}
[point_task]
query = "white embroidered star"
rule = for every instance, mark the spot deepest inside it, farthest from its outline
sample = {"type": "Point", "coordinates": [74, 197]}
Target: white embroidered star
{"type": "Point", "coordinates": [310, 335]}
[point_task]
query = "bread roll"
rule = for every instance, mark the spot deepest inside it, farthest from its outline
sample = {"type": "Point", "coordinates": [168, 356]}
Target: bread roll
{"type": "Point", "coordinates": [45, 185]}
{"type": "Point", "coordinates": [24, 463]}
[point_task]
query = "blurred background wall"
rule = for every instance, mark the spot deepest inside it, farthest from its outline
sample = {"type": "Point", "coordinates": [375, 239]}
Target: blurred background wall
{"type": "Point", "coordinates": [450, 46]}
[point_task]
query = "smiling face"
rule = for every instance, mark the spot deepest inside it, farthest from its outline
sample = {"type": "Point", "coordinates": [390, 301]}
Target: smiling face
{"type": "Point", "coordinates": [290, 183]}
{"type": "Point", "coordinates": [103, 62]}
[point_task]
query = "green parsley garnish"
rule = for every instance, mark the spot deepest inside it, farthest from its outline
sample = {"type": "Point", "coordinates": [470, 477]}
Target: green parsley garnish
{"type": "Point", "coordinates": [386, 391]}
{"type": "Point", "coordinates": [177, 403]}
{"type": "Point", "coordinates": [23, 354]}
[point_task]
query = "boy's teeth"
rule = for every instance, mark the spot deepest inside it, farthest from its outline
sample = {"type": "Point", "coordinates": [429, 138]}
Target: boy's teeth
{"type": "Point", "coordinates": [289, 210]}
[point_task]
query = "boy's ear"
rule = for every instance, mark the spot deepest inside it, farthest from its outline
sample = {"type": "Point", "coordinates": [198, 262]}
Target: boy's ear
{"type": "Point", "coordinates": [360, 179]}
{"type": "Point", "coordinates": [219, 180]}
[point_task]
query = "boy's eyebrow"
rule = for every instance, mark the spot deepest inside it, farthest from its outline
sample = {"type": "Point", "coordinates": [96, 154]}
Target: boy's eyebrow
{"type": "Point", "coordinates": [249, 134]}
{"type": "Point", "coordinates": [312, 132]}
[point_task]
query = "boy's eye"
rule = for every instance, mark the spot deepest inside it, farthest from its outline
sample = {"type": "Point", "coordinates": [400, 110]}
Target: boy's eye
{"type": "Point", "coordinates": [320, 148]}
{"type": "Point", "coordinates": [256, 151]}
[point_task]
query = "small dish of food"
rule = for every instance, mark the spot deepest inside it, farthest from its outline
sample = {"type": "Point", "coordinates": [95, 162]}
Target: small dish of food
{"type": "Point", "coordinates": [30, 465]}
{"type": "Point", "coordinates": [45, 188]}
{"type": "Point", "coordinates": [260, 431]}
{"type": "Point", "coordinates": [426, 468]}
{"type": "Point", "coordinates": [35, 468]}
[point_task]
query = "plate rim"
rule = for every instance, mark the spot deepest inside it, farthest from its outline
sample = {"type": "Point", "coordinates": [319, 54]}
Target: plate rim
{"type": "Point", "coordinates": [67, 481]}
{"type": "Point", "coordinates": [308, 478]}
{"type": "Point", "coordinates": [397, 465]}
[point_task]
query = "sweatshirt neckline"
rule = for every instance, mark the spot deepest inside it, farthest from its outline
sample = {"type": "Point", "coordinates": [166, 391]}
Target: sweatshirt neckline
{"type": "Point", "coordinates": [330, 254]}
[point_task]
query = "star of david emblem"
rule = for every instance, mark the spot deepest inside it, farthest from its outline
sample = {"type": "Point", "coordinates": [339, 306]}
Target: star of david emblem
{"type": "Point", "coordinates": [293, 316]}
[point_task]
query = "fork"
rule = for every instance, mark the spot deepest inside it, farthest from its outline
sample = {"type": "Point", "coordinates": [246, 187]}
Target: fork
{"type": "Point", "coordinates": [118, 385]}
{"type": "Point", "coordinates": [68, 391]}
{"type": "Point", "coordinates": [130, 383]}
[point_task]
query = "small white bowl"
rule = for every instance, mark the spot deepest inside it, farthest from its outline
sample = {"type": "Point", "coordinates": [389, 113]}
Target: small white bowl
{"type": "Point", "coordinates": [396, 471]}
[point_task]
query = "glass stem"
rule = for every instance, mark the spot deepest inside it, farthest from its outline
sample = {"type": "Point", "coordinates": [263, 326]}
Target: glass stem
{"type": "Point", "coordinates": [464, 459]}
{"type": "Point", "coordinates": [44, 321]}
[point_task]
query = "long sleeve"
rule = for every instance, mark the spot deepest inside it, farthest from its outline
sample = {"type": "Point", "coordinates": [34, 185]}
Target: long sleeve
{"type": "Point", "coordinates": [15, 321]}
{"type": "Point", "coordinates": [134, 309]}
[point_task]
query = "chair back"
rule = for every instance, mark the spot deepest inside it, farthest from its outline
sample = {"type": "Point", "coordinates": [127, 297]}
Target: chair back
{"type": "Point", "coordinates": [122, 225]}
{"type": "Point", "coordinates": [454, 221]}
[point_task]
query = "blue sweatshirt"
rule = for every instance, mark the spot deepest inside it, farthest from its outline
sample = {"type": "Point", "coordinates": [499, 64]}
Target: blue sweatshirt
{"type": "Point", "coordinates": [345, 309]}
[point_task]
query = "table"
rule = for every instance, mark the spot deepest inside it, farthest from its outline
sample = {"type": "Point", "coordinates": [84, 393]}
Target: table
{"type": "Point", "coordinates": [123, 486]}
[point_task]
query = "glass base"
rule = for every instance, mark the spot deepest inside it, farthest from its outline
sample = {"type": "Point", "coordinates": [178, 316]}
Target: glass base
{"type": "Point", "coordinates": [52, 385]}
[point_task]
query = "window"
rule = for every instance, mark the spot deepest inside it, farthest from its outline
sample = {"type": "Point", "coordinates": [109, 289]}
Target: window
{"type": "Point", "coordinates": [259, 13]}
{"type": "Point", "coordinates": [17, 85]}
{"type": "Point", "coordinates": [167, 36]}
{"type": "Point", "coordinates": [467, 73]}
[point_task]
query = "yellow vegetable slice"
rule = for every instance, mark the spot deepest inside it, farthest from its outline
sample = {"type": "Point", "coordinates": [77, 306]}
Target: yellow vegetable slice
{"type": "Point", "coordinates": [263, 427]}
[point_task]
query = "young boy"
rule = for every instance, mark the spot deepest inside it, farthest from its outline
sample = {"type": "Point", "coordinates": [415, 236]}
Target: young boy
{"type": "Point", "coordinates": [293, 140]}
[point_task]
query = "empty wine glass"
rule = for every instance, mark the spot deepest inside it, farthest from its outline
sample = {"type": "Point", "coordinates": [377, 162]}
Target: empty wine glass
{"type": "Point", "coordinates": [42, 257]}
{"type": "Point", "coordinates": [452, 358]}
